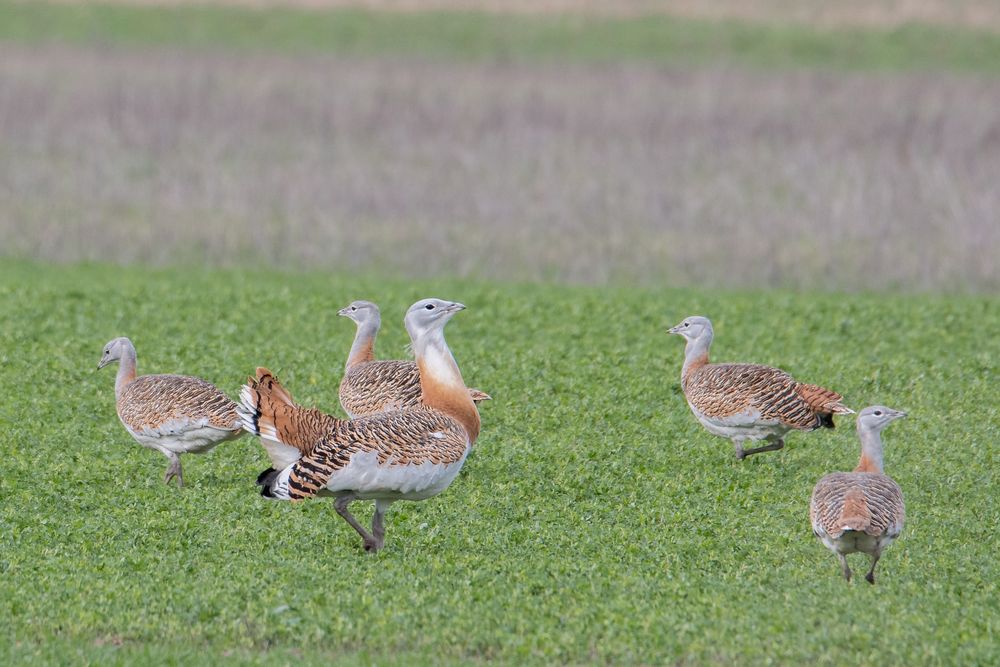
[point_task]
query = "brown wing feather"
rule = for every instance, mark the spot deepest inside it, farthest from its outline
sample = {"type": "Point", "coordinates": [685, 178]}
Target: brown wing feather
{"type": "Point", "coordinates": [150, 401]}
{"type": "Point", "coordinates": [724, 390]}
{"type": "Point", "coordinates": [378, 386]}
{"type": "Point", "coordinates": [412, 436]}
{"type": "Point", "coordinates": [478, 395]}
{"type": "Point", "coordinates": [854, 513]}
{"type": "Point", "coordinates": [381, 386]}
{"type": "Point", "coordinates": [274, 414]}
{"type": "Point", "coordinates": [822, 400]}
{"type": "Point", "coordinates": [866, 502]}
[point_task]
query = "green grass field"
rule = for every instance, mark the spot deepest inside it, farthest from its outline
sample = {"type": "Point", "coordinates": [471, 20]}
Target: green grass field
{"type": "Point", "coordinates": [594, 522]}
{"type": "Point", "coordinates": [474, 35]}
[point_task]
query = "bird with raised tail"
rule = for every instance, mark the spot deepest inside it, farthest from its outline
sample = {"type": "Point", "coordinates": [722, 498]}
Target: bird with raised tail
{"type": "Point", "coordinates": [749, 401]}
{"type": "Point", "coordinates": [861, 510]}
{"type": "Point", "coordinates": [408, 454]}
{"type": "Point", "coordinates": [173, 414]}
{"type": "Point", "coordinates": [370, 386]}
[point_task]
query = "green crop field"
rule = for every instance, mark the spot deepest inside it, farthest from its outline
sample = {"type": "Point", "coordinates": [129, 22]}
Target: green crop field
{"type": "Point", "coordinates": [475, 35]}
{"type": "Point", "coordinates": [595, 521]}
{"type": "Point", "coordinates": [215, 182]}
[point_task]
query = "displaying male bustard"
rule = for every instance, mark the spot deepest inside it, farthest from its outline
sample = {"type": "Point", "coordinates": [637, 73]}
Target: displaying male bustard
{"type": "Point", "coordinates": [370, 386]}
{"type": "Point", "coordinates": [748, 401]}
{"type": "Point", "coordinates": [861, 510]}
{"type": "Point", "coordinates": [173, 414]}
{"type": "Point", "coordinates": [408, 454]}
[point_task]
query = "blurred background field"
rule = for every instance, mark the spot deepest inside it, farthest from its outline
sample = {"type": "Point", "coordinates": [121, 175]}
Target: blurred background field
{"type": "Point", "coordinates": [809, 145]}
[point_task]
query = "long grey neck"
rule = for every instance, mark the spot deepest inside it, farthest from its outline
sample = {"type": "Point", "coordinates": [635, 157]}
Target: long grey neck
{"type": "Point", "coordinates": [696, 352]}
{"type": "Point", "coordinates": [871, 449]}
{"type": "Point", "coordinates": [363, 348]}
{"type": "Point", "coordinates": [126, 370]}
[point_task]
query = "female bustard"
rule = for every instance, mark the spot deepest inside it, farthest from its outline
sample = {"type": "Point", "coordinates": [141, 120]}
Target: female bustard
{"type": "Point", "coordinates": [173, 414]}
{"type": "Point", "coordinates": [749, 401]}
{"type": "Point", "coordinates": [370, 386]}
{"type": "Point", "coordinates": [861, 510]}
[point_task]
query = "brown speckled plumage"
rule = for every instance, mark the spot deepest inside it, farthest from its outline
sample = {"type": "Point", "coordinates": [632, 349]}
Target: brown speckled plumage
{"type": "Point", "coordinates": [749, 401]}
{"type": "Point", "coordinates": [377, 386]}
{"type": "Point", "coordinates": [412, 436]}
{"type": "Point", "coordinates": [724, 390]}
{"type": "Point", "coordinates": [154, 401]}
{"type": "Point", "coordinates": [861, 510]}
{"type": "Point", "coordinates": [409, 454]}
{"type": "Point", "coordinates": [173, 414]}
{"type": "Point", "coordinates": [371, 386]}
{"type": "Point", "coordinates": [871, 503]}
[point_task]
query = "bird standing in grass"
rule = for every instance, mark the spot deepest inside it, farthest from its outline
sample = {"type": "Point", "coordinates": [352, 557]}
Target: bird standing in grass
{"type": "Point", "coordinates": [408, 454]}
{"type": "Point", "coordinates": [173, 414]}
{"type": "Point", "coordinates": [748, 401]}
{"type": "Point", "coordinates": [371, 386]}
{"type": "Point", "coordinates": [861, 510]}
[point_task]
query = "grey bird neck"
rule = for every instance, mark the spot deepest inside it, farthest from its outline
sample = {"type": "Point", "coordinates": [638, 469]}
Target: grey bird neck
{"type": "Point", "coordinates": [363, 348]}
{"type": "Point", "coordinates": [126, 369]}
{"type": "Point", "coordinates": [871, 446]}
{"type": "Point", "coordinates": [696, 350]}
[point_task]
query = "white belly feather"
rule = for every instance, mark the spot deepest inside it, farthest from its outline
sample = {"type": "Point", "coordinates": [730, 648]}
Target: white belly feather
{"type": "Point", "coordinates": [742, 425]}
{"type": "Point", "coordinates": [369, 480]}
{"type": "Point", "coordinates": [182, 436]}
{"type": "Point", "coordinates": [852, 541]}
{"type": "Point", "coordinates": [364, 476]}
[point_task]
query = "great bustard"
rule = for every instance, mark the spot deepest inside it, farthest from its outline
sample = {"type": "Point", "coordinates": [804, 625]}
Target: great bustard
{"type": "Point", "coordinates": [861, 510]}
{"type": "Point", "coordinates": [408, 454]}
{"type": "Point", "coordinates": [173, 414]}
{"type": "Point", "coordinates": [370, 386]}
{"type": "Point", "coordinates": [748, 401]}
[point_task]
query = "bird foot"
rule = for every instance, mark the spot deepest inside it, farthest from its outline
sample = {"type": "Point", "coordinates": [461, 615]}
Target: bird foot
{"type": "Point", "coordinates": [870, 578]}
{"type": "Point", "coordinates": [174, 470]}
{"type": "Point", "coordinates": [372, 545]}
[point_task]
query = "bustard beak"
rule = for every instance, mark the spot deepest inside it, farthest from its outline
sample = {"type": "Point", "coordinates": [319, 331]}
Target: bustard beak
{"type": "Point", "coordinates": [454, 307]}
{"type": "Point", "coordinates": [102, 363]}
{"type": "Point", "coordinates": [674, 330]}
{"type": "Point", "coordinates": [343, 311]}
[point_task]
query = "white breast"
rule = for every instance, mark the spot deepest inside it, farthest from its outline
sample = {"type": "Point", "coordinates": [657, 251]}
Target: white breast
{"type": "Point", "coordinates": [369, 479]}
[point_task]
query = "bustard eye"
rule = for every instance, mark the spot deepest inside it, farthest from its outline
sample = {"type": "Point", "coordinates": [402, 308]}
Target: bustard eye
{"type": "Point", "coordinates": [354, 307]}
{"type": "Point", "coordinates": [429, 306]}
{"type": "Point", "coordinates": [878, 413]}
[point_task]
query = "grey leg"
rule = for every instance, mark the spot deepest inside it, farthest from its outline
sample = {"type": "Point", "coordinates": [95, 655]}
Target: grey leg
{"type": "Point", "coordinates": [843, 565]}
{"type": "Point", "coordinates": [870, 577]}
{"type": "Point", "coordinates": [778, 444]}
{"type": "Point", "coordinates": [341, 506]}
{"type": "Point", "coordinates": [738, 445]}
{"type": "Point", "coordinates": [174, 470]}
{"type": "Point", "coordinates": [378, 525]}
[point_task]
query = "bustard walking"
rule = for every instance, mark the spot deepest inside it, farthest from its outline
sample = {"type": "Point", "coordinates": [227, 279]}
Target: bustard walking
{"type": "Point", "coordinates": [861, 510]}
{"type": "Point", "coordinates": [749, 401]}
{"type": "Point", "coordinates": [173, 414]}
